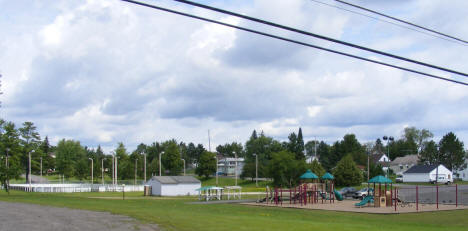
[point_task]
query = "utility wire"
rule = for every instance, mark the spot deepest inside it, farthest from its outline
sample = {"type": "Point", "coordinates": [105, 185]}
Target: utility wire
{"type": "Point", "coordinates": [402, 21]}
{"type": "Point", "coordinates": [389, 22]}
{"type": "Point", "coordinates": [294, 41]}
{"type": "Point", "coordinates": [320, 36]}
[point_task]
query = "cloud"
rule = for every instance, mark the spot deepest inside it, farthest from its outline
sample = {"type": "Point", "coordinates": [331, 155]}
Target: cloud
{"type": "Point", "coordinates": [104, 71]}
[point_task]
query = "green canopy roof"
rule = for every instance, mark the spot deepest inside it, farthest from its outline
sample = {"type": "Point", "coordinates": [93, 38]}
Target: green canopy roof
{"type": "Point", "coordinates": [308, 175]}
{"type": "Point", "coordinates": [380, 179]}
{"type": "Point", "coordinates": [327, 176]}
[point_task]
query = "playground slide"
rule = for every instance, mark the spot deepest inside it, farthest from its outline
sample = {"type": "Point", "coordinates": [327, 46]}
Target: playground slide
{"type": "Point", "coordinates": [366, 200]}
{"type": "Point", "coordinates": [338, 196]}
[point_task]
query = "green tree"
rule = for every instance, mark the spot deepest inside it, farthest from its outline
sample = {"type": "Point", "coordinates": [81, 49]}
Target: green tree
{"type": "Point", "coordinates": [228, 150]}
{"type": "Point", "coordinates": [452, 152]}
{"type": "Point", "coordinates": [316, 168]}
{"type": "Point", "coordinates": [262, 146]}
{"type": "Point", "coordinates": [323, 153]}
{"type": "Point", "coordinates": [429, 153]}
{"type": "Point", "coordinates": [347, 173]}
{"type": "Point", "coordinates": [417, 136]}
{"type": "Point", "coordinates": [206, 165]}
{"type": "Point", "coordinates": [10, 171]}
{"type": "Point", "coordinates": [284, 169]}
{"type": "Point", "coordinates": [171, 159]}
{"type": "Point", "coordinates": [30, 140]}
{"type": "Point", "coordinates": [68, 153]}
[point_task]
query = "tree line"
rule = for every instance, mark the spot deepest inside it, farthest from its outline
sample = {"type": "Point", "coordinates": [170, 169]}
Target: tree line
{"type": "Point", "coordinates": [283, 161]}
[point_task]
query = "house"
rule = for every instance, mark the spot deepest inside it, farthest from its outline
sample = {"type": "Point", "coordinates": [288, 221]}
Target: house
{"type": "Point", "coordinates": [400, 164]}
{"type": "Point", "coordinates": [380, 158]}
{"type": "Point", "coordinates": [463, 173]}
{"type": "Point", "coordinates": [227, 166]}
{"type": "Point", "coordinates": [428, 173]}
{"type": "Point", "coordinates": [173, 185]}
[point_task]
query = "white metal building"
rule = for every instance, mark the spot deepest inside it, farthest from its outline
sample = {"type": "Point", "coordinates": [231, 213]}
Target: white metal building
{"type": "Point", "coordinates": [173, 185]}
{"type": "Point", "coordinates": [427, 173]}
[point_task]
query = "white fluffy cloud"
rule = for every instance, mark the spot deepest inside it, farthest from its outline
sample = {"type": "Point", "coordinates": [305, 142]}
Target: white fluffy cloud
{"type": "Point", "coordinates": [108, 71]}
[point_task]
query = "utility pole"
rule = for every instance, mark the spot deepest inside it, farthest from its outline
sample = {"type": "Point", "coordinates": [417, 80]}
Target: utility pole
{"type": "Point", "coordinates": [256, 170]}
{"type": "Point", "coordinates": [134, 182]}
{"type": "Point", "coordinates": [184, 165]}
{"type": "Point", "coordinates": [235, 170]}
{"type": "Point", "coordinates": [209, 141]}
{"type": "Point", "coordinates": [160, 162]}
{"type": "Point", "coordinates": [216, 158]}
{"type": "Point", "coordinates": [113, 172]}
{"type": "Point", "coordinates": [41, 167]}
{"type": "Point", "coordinates": [144, 168]}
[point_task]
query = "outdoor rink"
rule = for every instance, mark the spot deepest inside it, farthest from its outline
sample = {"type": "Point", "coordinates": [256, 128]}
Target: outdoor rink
{"type": "Point", "coordinates": [18, 216]}
{"type": "Point", "coordinates": [348, 206]}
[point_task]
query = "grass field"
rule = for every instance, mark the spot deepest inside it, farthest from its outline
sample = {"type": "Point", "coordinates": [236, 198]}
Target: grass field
{"type": "Point", "coordinates": [176, 214]}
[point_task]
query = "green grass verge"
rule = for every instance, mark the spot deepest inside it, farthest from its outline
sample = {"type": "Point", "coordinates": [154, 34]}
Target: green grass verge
{"type": "Point", "coordinates": [176, 214]}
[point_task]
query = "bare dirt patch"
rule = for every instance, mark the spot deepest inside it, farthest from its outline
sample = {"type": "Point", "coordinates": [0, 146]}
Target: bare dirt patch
{"type": "Point", "coordinates": [18, 216]}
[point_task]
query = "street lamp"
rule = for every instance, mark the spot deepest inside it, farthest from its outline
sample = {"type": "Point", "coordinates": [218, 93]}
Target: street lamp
{"type": "Point", "coordinates": [235, 170]}
{"type": "Point", "coordinates": [92, 169]}
{"type": "Point", "coordinates": [102, 170]}
{"type": "Point", "coordinates": [388, 139]}
{"type": "Point", "coordinates": [160, 162]}
{"type": "Point", "coordinates": [144, 166]}
{"type": "Point", "coordinates": [184, 165]}
{"type": "Point", "coordinates": [41, 167]}
{"type": "Point", "coordinates": [134, 182]}
{"type": "Point", "coordinates": [256, 170]}
{"type": "Point", "coordinates": [216, 159]}
{"type": "Point", "coordinates": [29, 173]}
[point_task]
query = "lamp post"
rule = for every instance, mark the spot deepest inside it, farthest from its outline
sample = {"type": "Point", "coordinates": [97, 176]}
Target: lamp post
{"type": "Point", "coordinates": [235, 170]}
{"type": "Point", "coordinates": [216, 159]}
{"type": "Point", "coordinates": [256, 170]}
{"type": "Point", "coordinates": [134, 182]}
{"type": "Point", "coordinates": [116, 170]}
{"type": "Point", "coordinates": [113, 172]}
{"type": "Point", "coordinates": [144, 167]}
{"type": "Point", "coordinates": [184, 165]}
{"type": "Point", "coordinates": [41, 167]}
{"type": "Point", "coordinates": [92, 169]}
{"type": "Point", "coordinates": [102, 170]}
{"type": "Point", "coordinates": [6, 159]}
{"type": "Point", "coordinates": [160, 162]}
{"type": "Point", "coordinates": [29, 172]}
{"type": "Point", "coordinates": [388, 139]}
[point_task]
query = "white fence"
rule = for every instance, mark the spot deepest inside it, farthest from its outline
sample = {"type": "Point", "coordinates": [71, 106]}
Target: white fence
{"type": "Point", "coordinates": [70, 188]}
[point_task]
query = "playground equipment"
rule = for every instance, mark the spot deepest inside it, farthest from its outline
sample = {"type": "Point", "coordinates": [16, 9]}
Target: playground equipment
{"type": "Point", "coordinates": [305, 192]}
{"type": "Point", "coordinates": [367, 200]}
{"type": "Point", "coordinates": [384, 197]}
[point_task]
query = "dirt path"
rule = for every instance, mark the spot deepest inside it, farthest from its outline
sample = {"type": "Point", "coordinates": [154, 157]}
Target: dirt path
{"type": "Point", "coordinates": [18, 216]}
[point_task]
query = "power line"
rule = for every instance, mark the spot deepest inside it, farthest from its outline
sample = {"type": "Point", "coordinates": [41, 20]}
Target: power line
{"type": "Point", "coordinates": [320, 36]}
{"type": "Point", "coordinates": [389, 22]}
{"type": "Point", "coordinates": [294, 41]}
{"type": "Point", "coordinates": [402, 21]}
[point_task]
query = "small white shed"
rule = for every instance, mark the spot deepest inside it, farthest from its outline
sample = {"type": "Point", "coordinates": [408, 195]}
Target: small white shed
{"type": "Point", "coordinates": [174, 185]}
{"type": "Point", "coordinates": [428, 173]}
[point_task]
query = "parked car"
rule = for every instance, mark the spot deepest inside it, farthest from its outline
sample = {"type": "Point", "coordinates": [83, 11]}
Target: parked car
{"type": "Point", "coordinates": [347, 191]}
{"type": "Point", "coordinates": [363, 193]}
{"type": "Point", "coordinates": [399, 179]}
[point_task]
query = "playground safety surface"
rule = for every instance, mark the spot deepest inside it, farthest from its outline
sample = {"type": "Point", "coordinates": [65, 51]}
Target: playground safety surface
{"type": "Point", "coordinates": [348, 206]}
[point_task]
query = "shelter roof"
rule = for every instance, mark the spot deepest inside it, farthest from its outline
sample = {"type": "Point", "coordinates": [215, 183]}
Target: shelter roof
{"type": "Point", "coordinates": [328, 176]}
{"type": "Point", "coordinates": [176, 179]}
{"type": "Point", "coordinates": [308, 175]}
{"type": "Point", "coordinates": [380, 179]}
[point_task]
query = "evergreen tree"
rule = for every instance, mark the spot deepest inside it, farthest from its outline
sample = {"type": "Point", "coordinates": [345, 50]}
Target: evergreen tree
{"type": "Point", "coordinates": [452, 152]}
{"type": "Point", "coordinates": [206, 165]}
{"type": "Point", "coordinates": [347, 173]}
{"type": "Point", "coordinates": [171, 159]}
{"type": "Point", "coordinates": [316, 168]}
{"type": "Point", "coordinates": [429, 153]}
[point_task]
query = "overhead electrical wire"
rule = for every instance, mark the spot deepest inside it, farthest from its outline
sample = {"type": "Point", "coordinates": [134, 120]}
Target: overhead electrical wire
{"type": "Point", "coordinates": [294, 41]}
{"type": "Point", "coordinates": [402, 21]}
{"type": "Point", "coordinates": [392, 23]}
{"type": "Point", "coordinates": [320, 37]}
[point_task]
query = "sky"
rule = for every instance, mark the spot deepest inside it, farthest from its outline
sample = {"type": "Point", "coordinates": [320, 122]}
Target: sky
{"type": "Point", "coordinates": [107, 71]}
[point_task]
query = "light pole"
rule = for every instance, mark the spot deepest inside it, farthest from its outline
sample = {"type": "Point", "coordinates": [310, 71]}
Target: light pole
{"type": "Point", "coordinates": [235, 170]}
{"type": "Point", "coordinates": [6, 160]}
{"type": "Point", "coordinates": [29, 178]}
{"type": "Point", "coordinates": [116, 170]}
{"type": "Point", "coordinates": [113, 172]}
{"type": "Point", "coordinates": [388, 139]}
{"type": "Point", "coordinates": [102, 170]}
{"type": "Point", "coordinates": [134, 182]}
{"type": "Point", "coordinates": [41, 167]}
{"type": "Point", "coordinates": [216, 159]}
{"type": "Point", "coordinates": [256, 170]}
{"type": "Point", "coordinates": [92, 169]}
{"type": "Point", "coordinates": [144, 167]}
{"type": "Point", "coordinates": [184, 165]}
{"type": "Point", "coordinates": [160, 162]}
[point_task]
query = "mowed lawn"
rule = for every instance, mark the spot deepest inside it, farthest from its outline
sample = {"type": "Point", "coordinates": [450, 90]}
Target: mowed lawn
{"type": "Point", "coordinates": [177, 214]}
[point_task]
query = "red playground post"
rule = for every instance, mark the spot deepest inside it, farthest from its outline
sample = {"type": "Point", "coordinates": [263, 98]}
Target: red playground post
{"type": "Point", "coordinates": [396, 198]}
{"type": "Point", "coordinates": [281, 196]}
{"type": "Point", "coordinates": [417, 198]}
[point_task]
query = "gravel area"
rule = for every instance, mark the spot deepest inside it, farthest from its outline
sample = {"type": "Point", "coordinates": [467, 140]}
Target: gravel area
{"type": "Point", "coordinates": [18, 216]}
